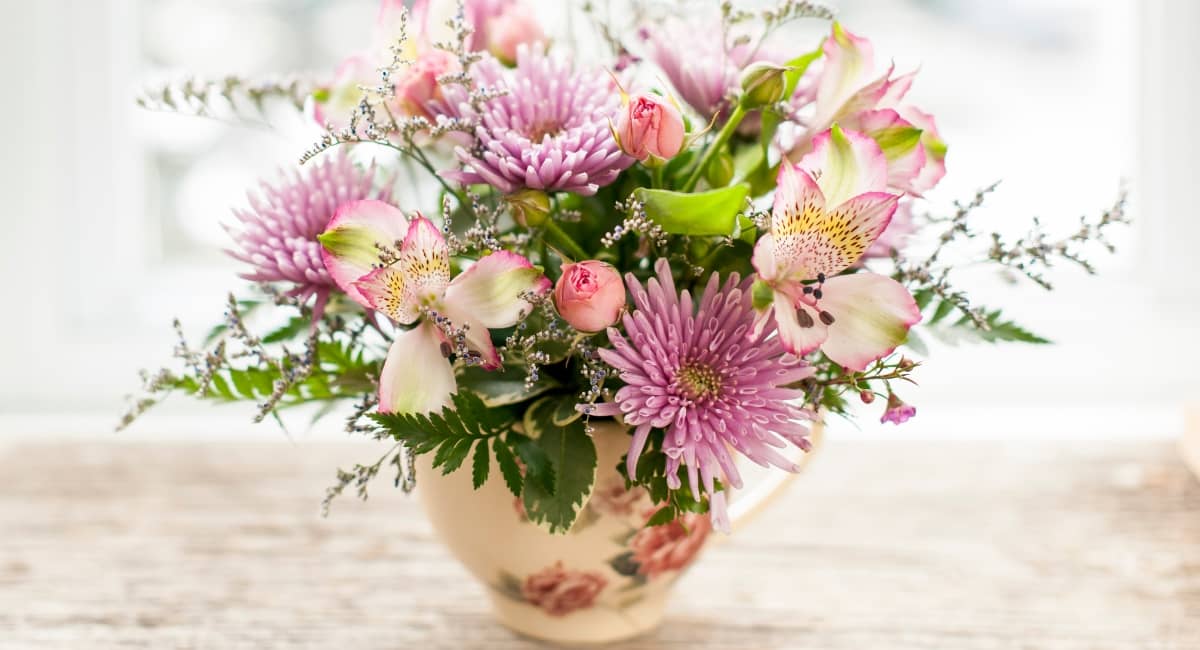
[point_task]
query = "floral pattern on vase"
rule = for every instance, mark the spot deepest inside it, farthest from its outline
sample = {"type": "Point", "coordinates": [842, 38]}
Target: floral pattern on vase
{"type": "Point", "coordinates": [559, 591]}
{"type": "Point", "coordinates": [645, 555]}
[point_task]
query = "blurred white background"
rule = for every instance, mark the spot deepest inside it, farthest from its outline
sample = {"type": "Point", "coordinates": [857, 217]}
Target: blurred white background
{"type": "Point", "coordinates": [112, 224]}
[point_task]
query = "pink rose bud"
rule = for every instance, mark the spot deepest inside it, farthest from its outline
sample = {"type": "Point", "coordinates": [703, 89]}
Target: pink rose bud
{"type": "Point", "coordinates": [417, 85]}
{"type": "Point", "coordinates": [650, 126]}
{"type": "Point", "coordinates": [514, 27]}
{"type": "Point", "coordinates": [589, 295]}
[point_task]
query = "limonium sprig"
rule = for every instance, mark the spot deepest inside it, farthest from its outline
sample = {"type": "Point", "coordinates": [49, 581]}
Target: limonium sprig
{"type": "Point", "coordinates": [706, 245]}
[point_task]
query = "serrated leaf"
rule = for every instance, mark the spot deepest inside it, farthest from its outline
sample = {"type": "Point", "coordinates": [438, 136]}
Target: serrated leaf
{"type": "Point", "coordinates": [665, 515]}
{"type": "Point", "coordinates": [572, 455]}
{"type": "Point", "coordinates": [481, 464]}
{"type": "Point", "coordinates": [508, 467]}
{"type": "Point", "coordinates": [537, 465]}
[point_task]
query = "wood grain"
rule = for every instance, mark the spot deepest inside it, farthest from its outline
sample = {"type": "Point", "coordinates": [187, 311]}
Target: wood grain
{"type": "Point", "coordinates": [964, 546]}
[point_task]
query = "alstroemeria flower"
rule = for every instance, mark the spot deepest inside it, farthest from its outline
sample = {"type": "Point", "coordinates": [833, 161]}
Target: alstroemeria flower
{"type": "Point", "coordinates": [413, 286]}
{"type": "Point", "coordinates": [828, 211]}
{"type": "Point", "coordinates": [848, 92]}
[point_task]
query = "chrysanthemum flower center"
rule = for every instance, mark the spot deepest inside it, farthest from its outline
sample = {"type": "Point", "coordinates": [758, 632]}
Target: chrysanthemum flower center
{"type": "Point", "coordinates": [697, 381]}
{"type": "Point", "coordinates": [542, 128]}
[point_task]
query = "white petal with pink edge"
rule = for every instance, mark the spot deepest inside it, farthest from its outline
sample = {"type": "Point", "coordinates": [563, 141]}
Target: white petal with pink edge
{"type": "Point", "coordinates": [478, 337]}
{"type": "Point", "coordinates": [848, 63]}
{"type": "Point", "coordinates": [349, 244]}
{"type": "Point", "coordinates": [491, 290]}
{"type": "Point", "coordinates": [800, 329]}
{"type": "Point", "coordinates": [872, 315]}
{"type": "Point", "coordinates": [845, 164]}
{"type": "Point", "coordinates": [416, 377]}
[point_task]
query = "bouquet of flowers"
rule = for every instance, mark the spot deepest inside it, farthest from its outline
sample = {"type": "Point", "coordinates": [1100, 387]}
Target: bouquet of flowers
{"type": "Point", "coordinates": [716, 245]}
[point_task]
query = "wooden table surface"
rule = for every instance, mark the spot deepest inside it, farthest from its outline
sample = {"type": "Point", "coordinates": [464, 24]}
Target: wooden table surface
{"type": "Point", "coordinates": [880, 545]}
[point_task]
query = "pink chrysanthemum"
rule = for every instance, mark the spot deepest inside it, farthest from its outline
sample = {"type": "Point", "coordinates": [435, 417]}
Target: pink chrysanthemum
{"type": "Point", "coordinates": [278, 234]}
{"type": "Point", "coordinates": [708, 380]}
{"type": "Point", "coordinates": [550, 131]}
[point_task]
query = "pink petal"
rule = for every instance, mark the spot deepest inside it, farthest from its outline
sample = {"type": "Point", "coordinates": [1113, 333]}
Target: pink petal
{"type": "Point", "coordinates": [872, 315]}
{"type": "Point", "coordinates": [845, 164]}
{"type": "Point", "coordinates": [416, 378]}
{"type": "Point", "coordinates": [833, 240]}
{"type": "Point", "coordinates": [935, 149]}
{"type": "Point", "coordinates": [490, 290]}
{"type": "Point", "coordinates": [349, 249]}
{"type": "Point", "coordinates": [849, 61]}
{"type": "Point", "coordinates": [900, 141]}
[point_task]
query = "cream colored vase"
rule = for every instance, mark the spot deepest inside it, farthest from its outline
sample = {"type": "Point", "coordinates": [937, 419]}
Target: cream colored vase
{"type": "Point", "coordinates": [606, 579]}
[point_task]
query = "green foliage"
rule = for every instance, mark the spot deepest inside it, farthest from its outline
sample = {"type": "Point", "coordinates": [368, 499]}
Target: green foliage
{"type": "Point", "coordinates": [988, 326]}
{"type": "Point", "coordinates": [557, 464]}
{"type": "Point", "coordinates": [702, 213]}
{"type": "Point", "coordinates": [451, 434]}
{"type": "Point", "coordinates": [651, 475]}
{"type": "Point", "coordinates": [341, 371]}
{"type": "Point", "coordinates": [503, 386]}
{"type": "Point", "coordinates": [573, 456]}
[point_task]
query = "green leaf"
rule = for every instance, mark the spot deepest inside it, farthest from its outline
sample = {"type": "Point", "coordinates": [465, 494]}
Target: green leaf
{"type": "Point", "coordinates": [702, 213]}
{"type": "Point", "coordinates": [564, 411]}
{"type": "Point", "coordinates": [481, 464]}
{"type": "Point", "coordinates": [508, 466]}
{"type": "Point", "coordinates": [537, 464]}
{"type": "Point", "coordinates": [295, 326]}
{"type": "Point", "coordinates": [503, 386]}
{"type": "Point", "coordinates": [572, 456]}
{"type": "Point", "coordinates": [663, 516]}
{"type": "Point", "coordinates": [943, 310]}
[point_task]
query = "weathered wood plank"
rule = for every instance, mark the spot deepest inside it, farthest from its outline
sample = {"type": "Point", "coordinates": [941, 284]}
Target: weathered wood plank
{"type": "Point", "coordinates": [965, 546]}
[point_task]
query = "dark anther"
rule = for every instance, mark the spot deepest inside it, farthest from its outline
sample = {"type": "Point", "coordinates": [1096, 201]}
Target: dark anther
{"type": "Point", "coordinates": [817, 294]}
{"type": "Point", "coordinates": [808, 290]}
{"type": "Point", "coordinates": [826, 317]}
{"type": "Point", "coordinates": [446, 349]}
{"type": "Point", "coordinates": [804, 318]}
{"type": "Point", "coordinates": [820, 277]}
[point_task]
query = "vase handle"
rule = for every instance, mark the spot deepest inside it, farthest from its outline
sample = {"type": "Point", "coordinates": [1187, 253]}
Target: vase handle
{"type": "Point", "coordinates": [752, 501]}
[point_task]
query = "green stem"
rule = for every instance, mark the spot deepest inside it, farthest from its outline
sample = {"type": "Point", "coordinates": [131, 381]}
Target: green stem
{"type": "Point", "coordinates": [564, 241]}
{"type": "Point", "coordinates": [731, 125]}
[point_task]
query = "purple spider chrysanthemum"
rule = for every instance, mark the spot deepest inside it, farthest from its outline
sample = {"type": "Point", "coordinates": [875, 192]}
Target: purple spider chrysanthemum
{"type": "Point", "coordinates": [550, 131]}
{"type": "Point", "coordinates": [278, 234]}
{"type": "Point", "coordinates": [708, 380]}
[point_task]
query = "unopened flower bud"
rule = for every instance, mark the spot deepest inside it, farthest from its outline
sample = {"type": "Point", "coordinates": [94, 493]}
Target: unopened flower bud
{"type": "Point", "coordinates": [649, 127]}
{"type": "Point", "coordinates": [589, 295]}
{"type": "Point", "coordinates": [529, 207]}
{"type": "Point", "coordinates": [906, 364]}
{"type": "Point", "coordinates": [866, 396]}
{"type": "Point", "coordinates": [762, 84]}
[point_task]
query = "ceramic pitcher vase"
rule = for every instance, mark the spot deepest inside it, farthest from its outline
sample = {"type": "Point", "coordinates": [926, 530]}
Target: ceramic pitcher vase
{"type": "Point", "coordinates": [606, 579]}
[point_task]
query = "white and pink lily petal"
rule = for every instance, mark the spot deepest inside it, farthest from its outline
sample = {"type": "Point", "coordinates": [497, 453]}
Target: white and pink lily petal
{"type": "Point", "coordinates": [849, 92]}
{"type": "Point", "coordinates": [400, 267]}
{"type": "Point", "coordinates": [828, 210]}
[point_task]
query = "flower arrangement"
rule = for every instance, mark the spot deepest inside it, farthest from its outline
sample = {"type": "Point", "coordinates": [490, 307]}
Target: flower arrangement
{"type": "Point", "coordinates": [714, 248]}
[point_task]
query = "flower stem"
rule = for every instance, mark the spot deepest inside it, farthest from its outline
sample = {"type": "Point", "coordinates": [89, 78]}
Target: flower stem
{"type": "Point", "coordinates": [563, 240]}
{"type": "Point", "coordinates": [731, 125]}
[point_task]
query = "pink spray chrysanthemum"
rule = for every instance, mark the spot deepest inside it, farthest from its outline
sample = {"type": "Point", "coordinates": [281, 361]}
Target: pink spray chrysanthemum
{"type": "Point", "coordinates": [277, 236]}
{"type": "Point", "coordinates": [549, 131]}
{"type": "Point", "coordinates": [708, 380]}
